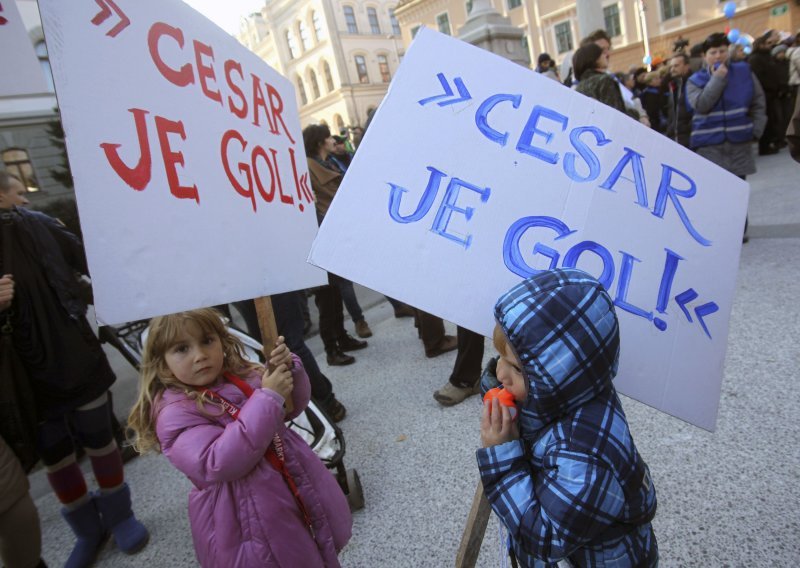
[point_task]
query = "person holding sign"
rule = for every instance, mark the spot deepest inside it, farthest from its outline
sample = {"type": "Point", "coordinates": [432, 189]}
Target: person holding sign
{"type": "Point", "coordinates": [563, 475]}
{"type": "Point", "coordinates": [261, 496]}
{"type": "Point", "coordinates": [69, 374]}
{"type": "Point", "coordinates": [325, 179]}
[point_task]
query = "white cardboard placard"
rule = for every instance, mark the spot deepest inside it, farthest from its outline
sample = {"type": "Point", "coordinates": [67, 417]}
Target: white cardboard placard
{"type": "Point", "coordinates": [20, 68]}
{"type": "Point", "coordinates": [477, 171]}
{"type": "Point", "coordinates": [187, 155]}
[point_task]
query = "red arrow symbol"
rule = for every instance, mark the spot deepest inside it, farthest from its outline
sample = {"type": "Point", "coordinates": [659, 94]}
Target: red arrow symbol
{"type": "Point", "coordinates": [3, 21]}
{"type": "Point", "coordinates": [106, 7]}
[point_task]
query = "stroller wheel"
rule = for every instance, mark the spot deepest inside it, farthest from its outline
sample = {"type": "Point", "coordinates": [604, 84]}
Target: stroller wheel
{"type": "Point", "coordinates": [355, 494]}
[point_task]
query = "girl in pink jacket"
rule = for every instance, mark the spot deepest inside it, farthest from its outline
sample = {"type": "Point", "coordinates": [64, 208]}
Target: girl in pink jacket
{"type": "Point", "coordinates": [261, 497]}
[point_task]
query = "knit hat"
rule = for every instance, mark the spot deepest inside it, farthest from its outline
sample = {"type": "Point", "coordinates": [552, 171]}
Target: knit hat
{"type": "Point", "coordinates": [780, 48]}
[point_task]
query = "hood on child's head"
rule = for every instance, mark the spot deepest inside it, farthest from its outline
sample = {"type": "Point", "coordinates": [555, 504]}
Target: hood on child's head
{"type": "Point", "coordinates": [563, 328]}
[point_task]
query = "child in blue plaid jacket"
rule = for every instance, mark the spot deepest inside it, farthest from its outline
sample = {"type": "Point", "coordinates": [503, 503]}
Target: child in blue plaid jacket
{"type": "Point", "coordinates": [564, 476]}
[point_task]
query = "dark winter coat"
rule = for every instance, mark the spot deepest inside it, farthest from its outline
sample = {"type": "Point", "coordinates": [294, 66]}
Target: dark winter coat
{"type": "Point", "coordinates": [604, 88]}
{"type": "Point", "coordinates": [62, 356]}
{"type": "Point", "coordinates": [679, 115]}
{"type": "Point", "coordinates": [573, 486]}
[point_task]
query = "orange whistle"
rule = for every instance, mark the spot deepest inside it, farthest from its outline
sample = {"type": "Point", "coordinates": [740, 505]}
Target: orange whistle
{"type": "Point", "coordinates": [505, 398]}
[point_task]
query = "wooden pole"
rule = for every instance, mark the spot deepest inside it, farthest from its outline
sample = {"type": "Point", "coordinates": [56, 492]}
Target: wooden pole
{"type": "Point", "coordinates": [269, 333]}
{"type": "Point", "coordinates": [472, 538]}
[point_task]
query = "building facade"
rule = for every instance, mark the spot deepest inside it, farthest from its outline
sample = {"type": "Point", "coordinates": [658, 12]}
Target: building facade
{"type": "Point", "coordinates": [340, 55]}
{"type": "Point", "coordinates": [28, 115]}
{"type": "Point", "coordinates": [552, 25]}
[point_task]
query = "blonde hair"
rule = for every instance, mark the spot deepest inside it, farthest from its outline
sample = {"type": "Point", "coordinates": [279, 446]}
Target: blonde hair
{"type": "Point", "coordinates": [500, 340]}
{"type": "Point", "coordinates": [155, 374]}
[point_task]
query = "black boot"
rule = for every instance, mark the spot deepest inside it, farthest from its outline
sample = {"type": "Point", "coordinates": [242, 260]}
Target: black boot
{"type": "Point", "coordinates": [349, 343]}
{"type": "Point", "coordinates": [338, 359]}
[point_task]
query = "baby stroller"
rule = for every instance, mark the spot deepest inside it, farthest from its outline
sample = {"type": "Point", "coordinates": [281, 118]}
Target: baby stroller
{"type": "Point", "coordinates": [313, 425]}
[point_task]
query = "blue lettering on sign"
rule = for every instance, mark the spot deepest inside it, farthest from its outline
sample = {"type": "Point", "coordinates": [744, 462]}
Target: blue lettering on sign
{"type": "Point", "coordinates": [525, 143]}
{"type": "Point", "coordinates": [512, 256]}
{"type": "Point", "coordinates": [585, 152]}
{"type": "Point", "coordinates": [571, 260]}
{"type": "Point", "coordinates": [666, 190]}
{"type": "Point", "coordinates": [446, 208]}
{"type": "Point", "coordinates": [482, 117]}
{"type": "Point", "coordinates": [396, 194]}
{"type": "Point", "coordinates": [633, 158]}
{"type": "Point", "coordinates": [515, 262]}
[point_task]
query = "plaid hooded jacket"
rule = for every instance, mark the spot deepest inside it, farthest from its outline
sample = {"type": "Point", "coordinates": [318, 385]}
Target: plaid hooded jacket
{"type": "Point", "coordinates": [573, 486]}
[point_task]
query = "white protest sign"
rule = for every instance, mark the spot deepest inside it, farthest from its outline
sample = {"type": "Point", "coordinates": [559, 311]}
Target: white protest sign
{"type": "Point", "coordinates": [187, 155]}
{"type": "Point", "coordinates": [19, 66]}
{"type": "Point", "coordinates": [476, 172]}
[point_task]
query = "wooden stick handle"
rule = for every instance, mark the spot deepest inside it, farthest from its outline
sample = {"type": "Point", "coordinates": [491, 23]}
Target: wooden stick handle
{"type": "Point", "coordinates": [472, 538]}
{"type": "Point", "coordinates": [269, 334]}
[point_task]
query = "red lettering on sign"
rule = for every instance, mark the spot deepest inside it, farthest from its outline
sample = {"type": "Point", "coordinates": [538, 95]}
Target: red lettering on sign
{"type": "Point", "coordinates": [164, 127]}
{"type": "Point", "coordinates": [205, 72]}
{"type": "Point", "coordinates": [241, 112]}
{"type": "Point", "coordinates": [276, 106]}
{"type": "Point", "coordinates": [260, 102]}
{"type": "Point", "coordinates": [139, 176]}
{"type": "Point", "coordinates": [258, 151]}
{"type": "Point", "coordinates": [182, 77]}
{"type": "Point", "coordinates": [284, 198]}
{"type": "Point", "coordinates": [243, 167]}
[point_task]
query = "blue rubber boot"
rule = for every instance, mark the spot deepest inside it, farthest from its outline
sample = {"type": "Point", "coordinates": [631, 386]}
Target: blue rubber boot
{"type": "Point", "coordinates": [85, 522]}
{"type": "Point", "coordinates": [130, 535]}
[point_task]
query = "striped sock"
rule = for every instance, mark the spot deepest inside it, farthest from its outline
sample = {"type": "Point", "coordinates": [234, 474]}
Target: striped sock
{"type": "Point", "coordinates": [67, 481]}
{"type": "Point", "coordinates": [107, 467]}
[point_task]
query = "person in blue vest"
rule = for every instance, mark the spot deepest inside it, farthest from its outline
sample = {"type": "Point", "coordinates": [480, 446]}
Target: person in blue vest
{"type": "Point", "coordinates": [729, 110]}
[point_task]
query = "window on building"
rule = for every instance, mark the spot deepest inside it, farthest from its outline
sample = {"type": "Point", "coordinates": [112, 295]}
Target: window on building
{"type": "Point", "coordinates": [611, 18]}
{"type": "Point", "coordinates": [383, 66]}
{"type": "Point", "coordinates": [361, 68]}
{"type": "Point", "coordinates": [44, 61]}
{"type": "Point", "coordinates": [415, 31]}
{"type": "Point", "coordinates": [312, 78]}
{"type": "Point", "coordinates": [563, 37]}
{"type": "Point", "coordinates": [395, 23]}
{"type": "Point", "coordinates": [301, 90]}
{"type": "Point", "coordinates": [670, 9]}
{"type": "Point", "coordinates": [525, 44]}
{"type": "Point", "coordinates": [326, 70]}
{"type": "Point", "coordinates": [18, 162]}
{"type": "Point", "coordinates": [468, 6]}
{"type": "Point", "coordinates": [514, 4]}
{"type": "Point", "coordinates": [291, 44]}
{"type": "Point", "coordinates": [350, 19]}
{"type": "Point", "coordinates": [374, 24]}
{"type": "Point", "coordinates": [305, 37]}
{"type": "Point", "coordinates": [443, 23]}
{"type": "Point", "coordinates": [317, 21]}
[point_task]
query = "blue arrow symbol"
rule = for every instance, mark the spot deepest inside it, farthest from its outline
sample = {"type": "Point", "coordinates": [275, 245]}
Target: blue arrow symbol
{"type": "Point", "coordinates": [703, 311]}
{"type": "Point", "coordinates": [684, 298]}
{"type": "Point", "coordinates": [448, 92]}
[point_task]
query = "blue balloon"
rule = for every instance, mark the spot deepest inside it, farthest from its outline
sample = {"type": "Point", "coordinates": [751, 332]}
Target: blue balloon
{"type": "Point", "coordinates": [745, 41]}
{"type": "Point", "coordinates": [733, 35]}
{"type": "Point", "coordinates": [748, 50]}
{"type": "Point", "coordinates": [647, 60]}
{"type": "Point", "coordinates": [729, 9]}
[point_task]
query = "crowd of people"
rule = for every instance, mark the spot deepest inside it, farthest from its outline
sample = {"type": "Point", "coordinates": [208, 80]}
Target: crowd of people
{"type": "Point", "coordinates": [260, 496]}
{"type": "Point", "coordinates": [716, 100]}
